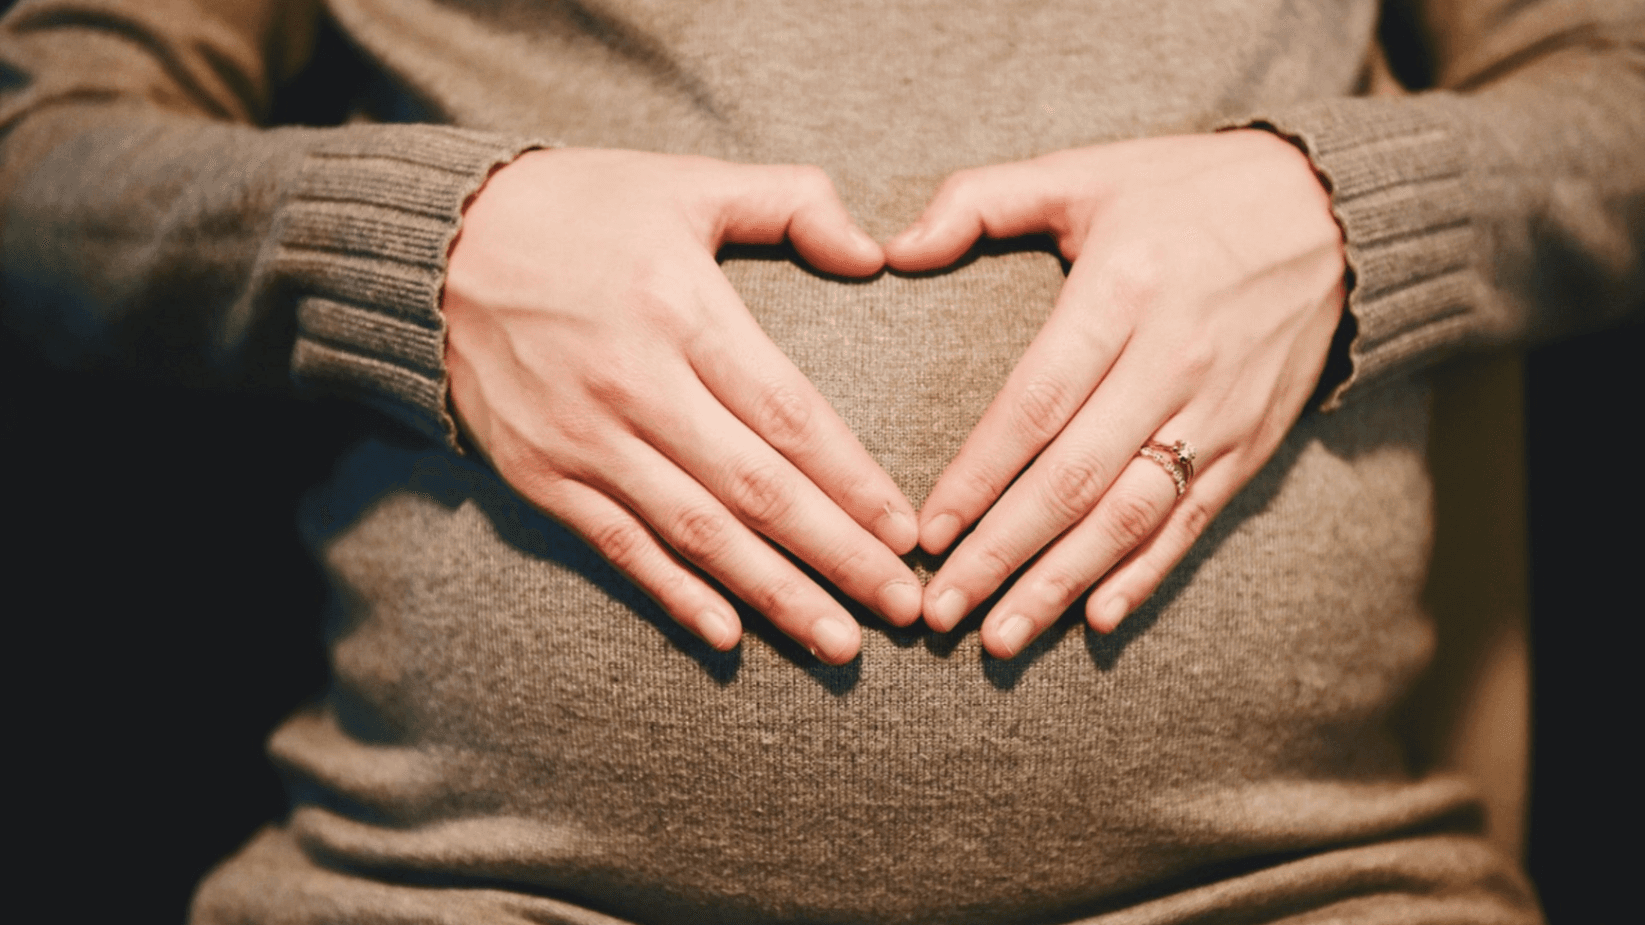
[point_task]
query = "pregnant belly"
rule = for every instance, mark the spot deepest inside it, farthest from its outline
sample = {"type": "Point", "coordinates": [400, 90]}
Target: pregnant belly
{"type": "Point", "coordinates": [508, 710]}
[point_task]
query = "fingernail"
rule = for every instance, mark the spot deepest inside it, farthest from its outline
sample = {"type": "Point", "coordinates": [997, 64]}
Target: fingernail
{"type": "Point", "coordinates": [900, 602]}
{"type": "Point", "coordinates": [1110, 613]}
{"type": "Point", "coordinates": [949, 607]}
{"type": "Point", "coordinates": [717, 629]}
{"type": "Point", "coordinates": [902, 531]}
{"type": "Point", "coordinates": [940, 532]}
{"type": "Point", "coordinates": [1014, 632]}
{"type": "Point", "coordinates": [833, 639]}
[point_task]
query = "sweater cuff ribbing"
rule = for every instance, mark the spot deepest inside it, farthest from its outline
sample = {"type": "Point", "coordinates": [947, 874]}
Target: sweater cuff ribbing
{"type": "Point", "coordinates": [1395, 174]}
{"type": "Point", "coordinates": [362, 241]}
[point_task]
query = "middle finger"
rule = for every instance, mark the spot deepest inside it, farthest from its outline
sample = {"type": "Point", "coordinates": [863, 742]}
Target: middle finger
{"type": "Point", "coordinates": [1130, 511]}
{"type": "Point", "coordinates": [772, 497]}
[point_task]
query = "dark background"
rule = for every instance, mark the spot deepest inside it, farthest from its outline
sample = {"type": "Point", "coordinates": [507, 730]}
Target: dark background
{"type": "Point", "coordinates": [163, 619]}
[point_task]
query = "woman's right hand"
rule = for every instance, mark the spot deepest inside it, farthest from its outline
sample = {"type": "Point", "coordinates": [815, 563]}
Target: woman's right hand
{"type": "Point", "coordinates": [601, 361]}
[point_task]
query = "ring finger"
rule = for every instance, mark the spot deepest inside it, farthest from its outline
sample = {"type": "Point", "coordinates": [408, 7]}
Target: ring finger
{"type": "Point", "coordinates": [1130, 512]}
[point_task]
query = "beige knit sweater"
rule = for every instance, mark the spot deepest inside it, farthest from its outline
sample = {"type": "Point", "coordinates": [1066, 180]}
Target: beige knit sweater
{"type": "Point", "coordinates": [515, 734]}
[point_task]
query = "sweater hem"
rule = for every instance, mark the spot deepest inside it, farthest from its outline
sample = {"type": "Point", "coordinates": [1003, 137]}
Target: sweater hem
{"type": "Point", "coordinates": [364, 240]}
{"type": "Point", "coordinates": [1395, 176]}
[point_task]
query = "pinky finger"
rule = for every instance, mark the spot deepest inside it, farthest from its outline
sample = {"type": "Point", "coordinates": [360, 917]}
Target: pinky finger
{"type": "Point", "coordinates": [1139, 574]}
{"type": "Point", "coordinates": [628, 544]}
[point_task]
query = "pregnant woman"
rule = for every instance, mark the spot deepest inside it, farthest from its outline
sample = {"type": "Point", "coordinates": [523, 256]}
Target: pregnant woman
{"type": "Point", "coordinates": [1059, 559]}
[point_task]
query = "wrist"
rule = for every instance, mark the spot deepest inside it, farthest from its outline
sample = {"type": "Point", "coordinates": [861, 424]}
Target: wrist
{"type": "Point", "coordinates": [1339, 365]}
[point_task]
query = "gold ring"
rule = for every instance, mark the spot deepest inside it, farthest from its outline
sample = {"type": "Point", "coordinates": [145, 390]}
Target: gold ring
{"type": "Point", "coordinates": [1177, 460]}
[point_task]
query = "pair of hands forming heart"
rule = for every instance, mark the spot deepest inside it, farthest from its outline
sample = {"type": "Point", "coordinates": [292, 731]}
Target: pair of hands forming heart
{"type": "Point", "coordinates": [601, 361]}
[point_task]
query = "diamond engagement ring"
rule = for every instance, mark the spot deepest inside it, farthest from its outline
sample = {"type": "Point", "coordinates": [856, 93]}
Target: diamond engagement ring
{"type": "Point", "coordinates": [1177, 460]}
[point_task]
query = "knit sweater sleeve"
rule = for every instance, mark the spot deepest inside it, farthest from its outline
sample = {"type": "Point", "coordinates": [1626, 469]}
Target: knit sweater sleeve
{"type": "Point", "coordinates": [1505, 204]}
{"type": "Point", "coordinates": [148, 219]}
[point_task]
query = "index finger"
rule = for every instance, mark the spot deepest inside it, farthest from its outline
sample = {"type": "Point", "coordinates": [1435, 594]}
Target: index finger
{"type": "Point", "coordinates": [1054, 378]}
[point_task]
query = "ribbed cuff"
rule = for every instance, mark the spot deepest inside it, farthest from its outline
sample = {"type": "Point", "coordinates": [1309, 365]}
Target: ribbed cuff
{"type": "Point", "coordinates": [362, 242]}
{"type": "Point", "coordinates": [1395, 175]}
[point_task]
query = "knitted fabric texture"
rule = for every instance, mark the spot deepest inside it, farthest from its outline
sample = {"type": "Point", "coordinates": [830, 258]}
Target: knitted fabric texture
{"type": "Point", "coordinates": [515, 733]}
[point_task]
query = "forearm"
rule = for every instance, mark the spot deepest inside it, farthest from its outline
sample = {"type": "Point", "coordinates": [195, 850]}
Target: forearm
{"type": "Point", "coordinates": [1507, 206]}
{"type": "Point", "coordinates": [149, 223]}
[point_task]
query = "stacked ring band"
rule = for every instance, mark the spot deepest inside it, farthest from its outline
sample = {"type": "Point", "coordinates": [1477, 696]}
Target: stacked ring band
{"type": "Point", "coordinates": [1176, 459]}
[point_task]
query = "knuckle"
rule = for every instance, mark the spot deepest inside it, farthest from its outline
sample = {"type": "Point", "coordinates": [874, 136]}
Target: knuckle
{"type": "Point", "coordinates": [782, 416]}
{"type": "Point", "coordinates": [521, 459]}
{"type": "Point", "coordinates": [983, 483]}
{"type": "Point", "coordinates": [962, 182]}
{"type": "Point", "coordinates": [817, 177]}
{"type": "Point", "coordinates": [775, 596]}
{"type": "Point", "coordinates": [582, 432]}
{"type": "Point", "coordinates": [958, 189]}
{"type": "Point", "coordinates": [1059, 588]}
{"type": "Point", "coordinates": [761, 493]}
{"type": "Point", "coordinates": [701, 534]}
{"type": "Point", "coordinates": [655, 301]}
{"type": "Point", "coordinates": [670, 584]}
{"type": "Point", "coordinates": [1136, 277]}
{"type": "Point", "coordinates": [1196, 516]}
{"type": "Point", "coordinates": [1194, 360]}
{"type": "Point", "coordinates": [643, 297]}
{"type": "Point", "coordinates": [621, 543]}
{"type": "Point", "coordinates": [1043, 407]}
{"type": "Point", "coordinates": [995, 562]}
{"type": "Point", "coordinates": [811, 181]}
{"type": "Point", "coordinates": [850, 560]}
{"type": "Point", "coordinates": [614, 384]}
{"type": "Point", "coordinates": [1073, 486]}
{"type": "Point", "coordinates": [1131, 518]}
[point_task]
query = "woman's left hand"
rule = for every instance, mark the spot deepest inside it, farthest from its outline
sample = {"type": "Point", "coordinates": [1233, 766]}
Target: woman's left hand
{"type": "Point", "coordinates": [1207, 283]}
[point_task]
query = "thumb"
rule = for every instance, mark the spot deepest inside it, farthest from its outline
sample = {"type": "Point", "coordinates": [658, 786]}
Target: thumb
{"type": "Point", "coordinates": [769, 203]}
{"type": "Point", "coordinates": [1004, 201]}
